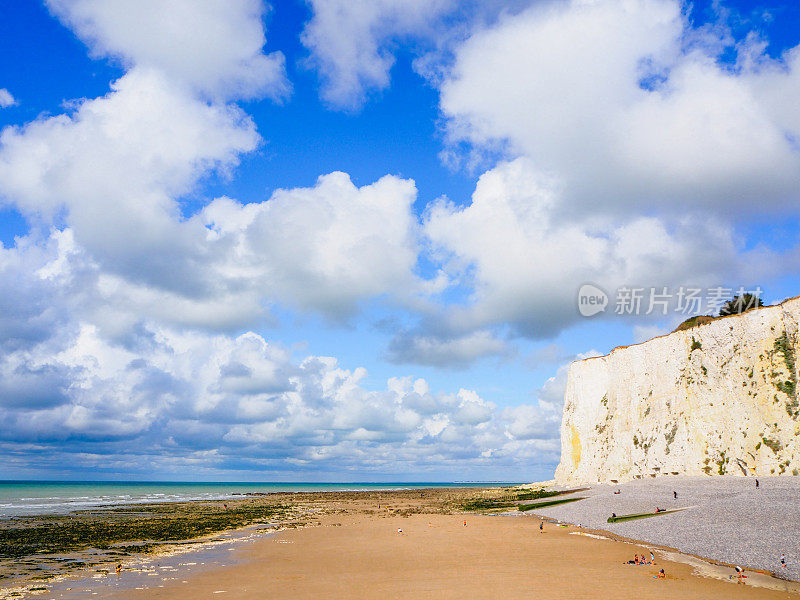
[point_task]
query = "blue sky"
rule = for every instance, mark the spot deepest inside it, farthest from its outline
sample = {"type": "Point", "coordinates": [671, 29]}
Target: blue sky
{"type": "Point", "coordinates": [343, 241]}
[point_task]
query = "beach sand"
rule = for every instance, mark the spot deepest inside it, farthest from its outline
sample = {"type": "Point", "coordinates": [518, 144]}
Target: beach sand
{"type": "Point", "coordinates": [358, 555]}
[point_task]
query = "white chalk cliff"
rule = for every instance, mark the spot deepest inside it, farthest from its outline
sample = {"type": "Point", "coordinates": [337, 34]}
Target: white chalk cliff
{"type": "Point", "coordinates": [719, 398]}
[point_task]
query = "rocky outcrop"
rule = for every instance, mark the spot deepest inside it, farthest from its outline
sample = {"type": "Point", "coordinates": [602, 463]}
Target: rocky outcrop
{"type": "Point", "coordinates": [717, 399]}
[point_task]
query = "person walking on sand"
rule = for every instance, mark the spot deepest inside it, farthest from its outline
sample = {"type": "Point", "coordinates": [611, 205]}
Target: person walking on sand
{"type": "Point", "coordinates": [541, 528]}
{"type": "Point", "coordinates": [674, 494]}
{"type": "Point", "coordinates": [652, 558]}
{"type": "Point", "coordinates": [783, 560]}
{"type": "Point", "coordinates": [756, 483]}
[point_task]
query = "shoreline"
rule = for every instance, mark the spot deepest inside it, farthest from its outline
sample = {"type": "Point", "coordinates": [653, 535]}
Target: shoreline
{"type": "Point", "coordinates": [177, 560]}
{"type": "Point", "coordinates": [137, 535]}
{"type": "Point", "coordinates": [52, 498]}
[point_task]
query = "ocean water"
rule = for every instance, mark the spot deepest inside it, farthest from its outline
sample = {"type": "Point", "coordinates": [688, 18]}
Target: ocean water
{"type": "Point", "coordinates": [19, 498]}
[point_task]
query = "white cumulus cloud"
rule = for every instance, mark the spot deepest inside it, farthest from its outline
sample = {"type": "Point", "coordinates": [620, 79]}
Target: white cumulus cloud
{"type": "Point", "coordinates": [350, 42]}
{"type": "Point", "coordinates": [628, 108]}
{"type": "Point", "coordinates": [214, 46]}
{"type": "Point", "coordinates": [525, 263]}
{"type": "Point", "coordinates": [324, 248]}
{"type": "Point", "coordinates": [116, 166]}
{"type": "Point", "coordinates": [166, 398]}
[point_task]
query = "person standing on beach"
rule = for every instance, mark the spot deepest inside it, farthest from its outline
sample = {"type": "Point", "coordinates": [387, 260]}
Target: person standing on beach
{"type": "Point", "coordinates": [756, 483]}
{"type": "Point", "coordinates": [674, 494]}
{"type": "Point", "coordinates": [783, 560]}
{"type": "Point", "coordinates": [541, 528]}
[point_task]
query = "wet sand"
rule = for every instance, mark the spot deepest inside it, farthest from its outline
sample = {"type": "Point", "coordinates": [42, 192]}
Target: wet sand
{"type": "Point", "coordinates": [355, 554]}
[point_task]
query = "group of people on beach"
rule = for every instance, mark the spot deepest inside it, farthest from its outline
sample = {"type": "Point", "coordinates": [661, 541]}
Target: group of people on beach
{"type": "Point", "coordinates": [642, 560]}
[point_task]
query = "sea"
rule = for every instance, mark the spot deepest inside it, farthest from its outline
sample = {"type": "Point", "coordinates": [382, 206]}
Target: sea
{"type": "Point", "coordinates": [24, 498]}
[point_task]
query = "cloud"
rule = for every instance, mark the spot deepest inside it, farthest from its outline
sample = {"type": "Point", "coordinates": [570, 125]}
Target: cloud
{"type": "Point", "coordinates": [325, 248]}
{"type": "Point", "coordinates": [351, 42]}
{"type": "Point", "coordinates": [543, 420]}
{"type": "Point", "coordinates": [629, 109]}
{"type": "Point", "coordinates": [426, 348]}
{"type": "Point", "coordinates": [634, 153]}
{"type": "Point", "coordinates": [6, 99]}
{"type": "Point", "coordinates": [96, 380]}
{"type": "Point", "coordinates": [127, 330]}
{"type": "Point", "coordinates": [525, 262]}
{"type": "Point", "coordinates": [174, 397]}
{"type": "Point", "coordinates": [128, 342]}
{"type": "Point", "coordinates": [146, 139]}
{"type": "Point", "coordinates": [27, 314]}
{"type": "Point", "coordinates": [215, 46]}
{"type": "Point", "coordinates": [115, 166]}
{"type": "Point", "coordinates": [102, 349]}
{"type": "Point", "coordinates": [114, 170]}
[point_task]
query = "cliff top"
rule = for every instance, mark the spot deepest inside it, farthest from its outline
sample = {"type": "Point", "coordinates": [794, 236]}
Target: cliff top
{"type": "Point", "coordinates": [696, 321]}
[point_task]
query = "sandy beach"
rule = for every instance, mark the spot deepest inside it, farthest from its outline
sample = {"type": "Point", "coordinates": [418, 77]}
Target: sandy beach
{"type": "Point", "coordinates": [437, 556]}
{"type": "Point", "coordinates": [415, 544]}
{"type": "Point", "coordinates": [74, 554]}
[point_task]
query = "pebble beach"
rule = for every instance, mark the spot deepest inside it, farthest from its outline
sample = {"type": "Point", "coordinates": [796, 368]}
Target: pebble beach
{"type": "Point", "coordinates": [726, 519]}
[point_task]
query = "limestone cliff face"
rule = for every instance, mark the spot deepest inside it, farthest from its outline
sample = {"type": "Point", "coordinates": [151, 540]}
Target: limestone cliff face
{"type": "Point", "coordinates": [717, 399]}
